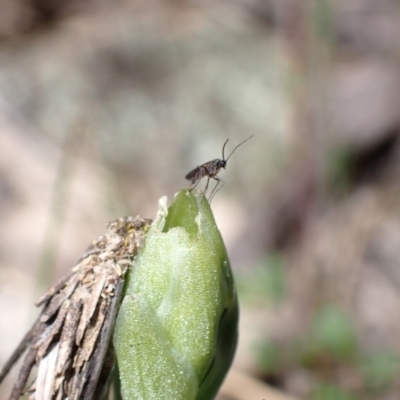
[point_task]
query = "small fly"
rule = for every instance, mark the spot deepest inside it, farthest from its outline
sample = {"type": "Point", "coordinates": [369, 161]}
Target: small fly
{"type": "Point", "coordinates": [211, 170]}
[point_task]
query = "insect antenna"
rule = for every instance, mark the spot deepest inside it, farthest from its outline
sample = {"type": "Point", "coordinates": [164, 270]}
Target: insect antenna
{"type": "Point", "coordinates": [234, 148]}
{"type": "Point", "coordinates": [223, 148]}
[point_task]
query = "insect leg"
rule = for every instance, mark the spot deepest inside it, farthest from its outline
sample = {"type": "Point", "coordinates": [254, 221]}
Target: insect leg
{"type": "Point", "coordinates": [206, 188]}
{"type": "Point", "coordinates": [209, 176]}
{"type": "Point", "coordinates": [214, 191]}
{"type": "Point", "coordinates": [194, 184]}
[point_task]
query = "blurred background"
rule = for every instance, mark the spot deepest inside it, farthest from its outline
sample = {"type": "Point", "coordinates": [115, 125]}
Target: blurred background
{"type": "Point", "coordinates": [104, 108]}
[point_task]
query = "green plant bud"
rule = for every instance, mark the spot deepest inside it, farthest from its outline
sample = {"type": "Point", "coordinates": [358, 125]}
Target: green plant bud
{"type": "Point", "coordinates": [176, 330]}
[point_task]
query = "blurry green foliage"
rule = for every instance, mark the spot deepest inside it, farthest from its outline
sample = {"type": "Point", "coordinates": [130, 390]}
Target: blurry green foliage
{"type": "Point", "coordinates": [331, 339]}
{"type": "Point", "coordinates": [271, 359]}
{"type": "Point", "coordinates": [327, 391]}
{"type": "Point", "coordinates": [323, 20]}
{"type": "Point", "coordinates": [339, 169]}
{"type": "Point", "coordinates": [380, 369]}
{"type": "Point", "coordinates": [268, 282]}
{"type": "Point", "coordinates": [331, 346]}
{"type": "Point", "coordinates": [332, 331]}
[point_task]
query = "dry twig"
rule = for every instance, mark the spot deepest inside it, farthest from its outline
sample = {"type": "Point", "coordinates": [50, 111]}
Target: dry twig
{"type": "Point", "coordinates": [70, 341]}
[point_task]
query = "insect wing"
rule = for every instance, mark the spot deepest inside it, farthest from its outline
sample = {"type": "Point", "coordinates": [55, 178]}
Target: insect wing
{"type": "Point", "coordinates": [193, 175]}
